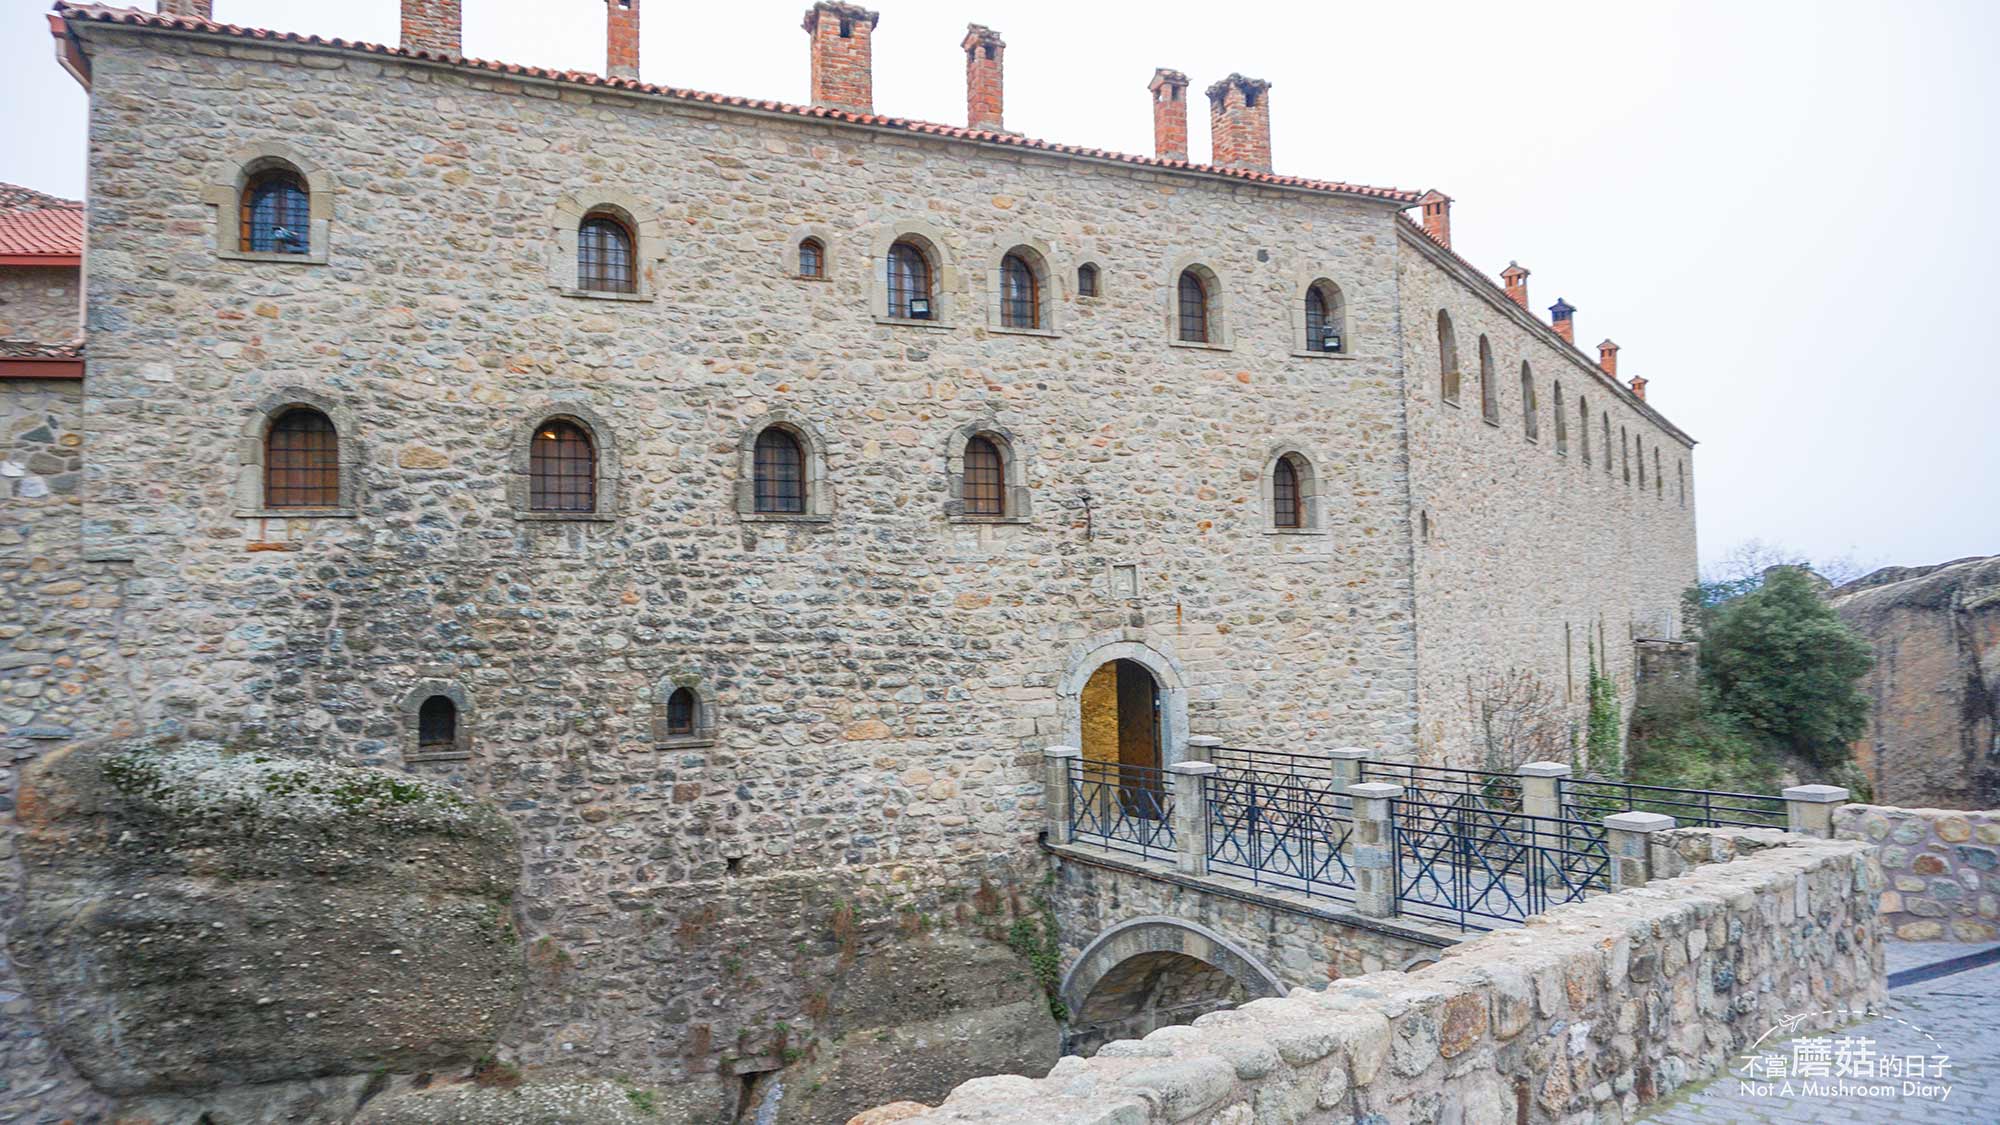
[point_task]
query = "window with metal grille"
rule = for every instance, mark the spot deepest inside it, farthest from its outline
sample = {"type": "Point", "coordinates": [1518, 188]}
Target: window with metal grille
{"type": "Point", "coordinates": [680, 712]}
{"type": "Point", "coordinates": [605, 262]}
{"type": "Point", "coordinates": [780, 473]}
{"type": "Point", "coordinates": [812, 258]}
{"type": "Point", "coordinates": [985, 479]}
{"type": "Point", "coordinates": [276, 213]}
{"type": "Point", "coordinates": [302, 461]}
{"type": "Point", "coordinates": [1324, 313]}
{"type": "Point", "coordinates": [909, 282]}
{"type": "Point", "coordinates": [1020, 294]}
{"type": "Point", "coordinates": [562, 469]}
{"type": "Point", "coordinates": [1287, 502]}
{"type": "Point", "coordinates": [1086, 280]}
{"type": "Point", "coordinates": [1194, 308]}
{"type": "Point", "coordinates": [437, 724]}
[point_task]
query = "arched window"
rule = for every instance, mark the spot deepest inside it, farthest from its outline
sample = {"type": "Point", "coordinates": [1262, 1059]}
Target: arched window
{"type": "Point", "coordinates": [812, 258]}
{"type": "Point", "coordinates": [1659, 482]}
{"type": "Point", "coordinates": [1639, 454]}
{"type": "Point", "coordinates": [1020, 293]}
{"type": "Point", "coordinates": [1583, 427]}
{"type": "Point", "coordinates": [1607, 443]}
{"type": "Point", "coordinates": [985, 478]}
{"type": "Point", "coordinates": [910, 293]}
{"type": "Point", "coordinates": [605, 262]}
{"type": "Point", "coordinates": [1288, 504]}
{"type": "Point", "coordinates": [562, 468]}
{"type": "Point", "coordinates": [780, 473]}
{"type": "Point", "coordinates": [1562, 420]}
{"type": "Point", "coordinates": [1086, 280]}
{"type": "Point", "coordinates": [437, 726]}
{"type": "Point", "coordinates": [1625, 453]}
{"type": "Point", "coordinates": [276, 213]}
{"type": "Point", "coordinates": [1681, 472]}
{"type": "Point", "coordinates": [1326, 318]}
{"type": "Point", "coordinates": [1489, 390]}
{"type": "Point", "coordinates": [681, 713]}
{"type": "Point", "coordinates": [1193, 308]}
{"type": "Point", "coordinates": [301, 461]}
{"type": "Point", "coordinates": [1531, 414]}
{"type": "Point", "coordinates": [1447, 358]}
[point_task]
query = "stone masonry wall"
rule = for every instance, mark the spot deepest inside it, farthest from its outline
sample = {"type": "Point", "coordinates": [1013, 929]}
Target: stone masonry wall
{"type": "Point", "coordinates": [1941, 869]}
{"type": "Point", "coordinates": [1590, 1012]}
{"type": "Point", "coordinates": [40, 303]}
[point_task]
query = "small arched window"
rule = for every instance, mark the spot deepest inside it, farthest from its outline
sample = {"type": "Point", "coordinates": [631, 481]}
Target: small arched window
{"type": "Point", "coordinates": [910, 293]}
{"type": "Point", "coordinates": [1489, 391]}
{"type": "Point", "coordinates": [1326, 316]}
{"type": "Point", "coordinates": [1288, 505]}
{"type": "Point", "coordinates": [681, 713]}
{"type": "Point", "coordinates": [1607, 443]}
{"type": "Point", "coordinates": [1531, 413]}
{"type": "Point", "coordinates": [1193, 308]}
{"type": "Point", "coordinates": [780, 470]}
{"type": "Point", "coordinates": [276, 213]}
{"type": "Point", "coordinates": [1639, 453]}
{"type": "Point", "coordinates": [562, 468]}
{"type": "Point", "coordinates": [605, 262]}
{"type": "Point", "coordinates": [812, 258]}
{"type": "Point", "coordinates": [302, 461]}
{"type": "Point", "coordinates": [437, 726]}
{"type": "Point", "coordinates": [1583, 427]}
{"type": "Point", "coordinates": [985, 478]}
{"type": "Point", "coordinates": [1562, 419]}
{"type": "Point", "coordinates": [1659, 482]}
{"type": "Point", "coordinates": [1020, 294]}
{"type": "Point", "coordinates": [1681, 472]}
{"type": "Point", "coordinates": [1086, 280]}
{"type": "Point", "coordinates": [1447, 358]}
{"type": "Point", "coordinates": [1625, 453]}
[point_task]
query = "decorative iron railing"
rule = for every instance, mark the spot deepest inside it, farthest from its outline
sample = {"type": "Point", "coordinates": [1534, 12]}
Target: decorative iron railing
{"type": "Point", "coordinates": [1458, 863]}
{"type": "Point", "coordinates": [1282, 829]}
{"type": "Point", "coordinates": [1444, 786]}
{"type": "Point", "coordinates": [1272, 761]}
{"type": "Point", "coordinates": [1691, 808]}
{"type": "Point", "coordinates": [1122, 808]}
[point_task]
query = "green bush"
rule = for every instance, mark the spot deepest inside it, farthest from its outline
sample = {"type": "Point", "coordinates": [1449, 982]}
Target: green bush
{"type": "Point", "coordinates": [1784, 669]}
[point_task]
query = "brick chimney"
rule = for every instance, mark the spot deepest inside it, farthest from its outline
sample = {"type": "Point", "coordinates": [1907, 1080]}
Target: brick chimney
{"type": "Point", "coordinates": [841, 69]}
{"type": "Point", "coordinates": [1239, 117]}
{"type": "Point", "coordinates": [1607, 358]}
{"type": "Point", "coordinates": [1639, 387]}
{"type": "Point", "coordinates": [984, 52]}
{"type": "Point", "coordinates": [1436, 207]}
{"type": "Point", "coordinates": [621, 38]}
{"type": "Point", "coordinates": [190, 9]}
{"type": "Point", "coordinates": [1516, 280]}
{"type": "Point", "coordinates": [1169, 89]}
{"type": "Point", "coordinates": [432, 25]}
{"type": "Point", "coordinates": [1559, 319]}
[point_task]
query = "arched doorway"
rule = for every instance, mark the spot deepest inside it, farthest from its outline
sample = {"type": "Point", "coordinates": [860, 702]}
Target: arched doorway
{"type": "Point", "coordinates": [1121, 715]}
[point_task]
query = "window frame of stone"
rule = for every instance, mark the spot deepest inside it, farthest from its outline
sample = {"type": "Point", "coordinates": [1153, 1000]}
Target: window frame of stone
{"type": "Point", "coordinates": [1489, 387]}
{"type": "Point", "coordinates": [1531, 407]}
{"type": "Point", "coordinates": [796, 243]}
{"type": "Point", "coordinates": [1040, 262]}
{"type": "Point", "coordinates": [1216, 297]}
{"type": "Point", "coordinates": [1017, 502]}
{"type": "Point", "coordinates": [1305, 469]}
{"type": "Point", "coordinates": [1334, 300]}
{"type": "Point", "coordinates": [1451, 380]}
{"type": "Point", "coordinates": [521, 452]}
{"type": "Point", "coordinates": [1561, 416]}
{"type": "Point", "coordinates": [818, 491]}
{"type": "Point", "coordinates": [411, 711]}
{"type": "Point", "coordinates": [704, 732]}
{"type": "Point", "coordinates": [253, 450]}
{"type": "Point", "coordinates": [226, 193]}
{"type": "Point", "coordinates": [930, 242]}
{"type": "Point", "coordinates": [1096, 287]}
{"type": "Point", "coordinates": [566, 217]}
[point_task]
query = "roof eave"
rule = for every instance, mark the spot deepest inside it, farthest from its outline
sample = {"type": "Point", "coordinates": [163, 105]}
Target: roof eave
{"type": "Point", "coordinates": [61, 258]}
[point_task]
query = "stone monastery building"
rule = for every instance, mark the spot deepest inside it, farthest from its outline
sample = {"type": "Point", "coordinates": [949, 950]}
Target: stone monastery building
{"type": "Point", "coordinates": [744, 494]}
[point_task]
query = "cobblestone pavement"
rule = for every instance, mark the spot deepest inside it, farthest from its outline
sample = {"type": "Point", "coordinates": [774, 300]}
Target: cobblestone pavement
{"type": "Point", "coordinates": [1961, 1016]}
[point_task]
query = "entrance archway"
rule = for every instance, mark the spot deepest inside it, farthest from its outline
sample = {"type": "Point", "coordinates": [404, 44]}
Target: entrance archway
{"type": "Point", "coordinates": [1159, 722]}
{"type": "Point", "coordinates": [1152, 972]}
{"type": "Point", "coordinates": [1120, 708]}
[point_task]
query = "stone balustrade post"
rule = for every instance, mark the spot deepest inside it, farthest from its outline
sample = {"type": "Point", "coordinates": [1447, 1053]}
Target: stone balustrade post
{"type": "Point", "coordinates": [1809, 808]}
{"type": "Point", "coordinates": [1202, 748]}
{"type": "Point", "coordinates": [1541, 796]}
{"type": "Point", "coordinates": [1630, 842]}
{"type": "Point", "coordinates": [1191, 816]}
{"type": "Point", "coordinates": [1056, 812]}
{"type": "Point", "coordinates": [1371, 847]}
{"type": "Point", "coordinates": [1346, 764]}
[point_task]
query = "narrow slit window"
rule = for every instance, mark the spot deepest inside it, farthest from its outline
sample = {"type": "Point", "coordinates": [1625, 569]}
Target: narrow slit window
{"type": "Point", "coordinates": [302, 461]}
{"type": "Point", "coordinates": [562, 469]}
{"type": "Point", "coordinates": [1447, 359]}
{"type": "Point", "coordinates": [780, 473]}
{"type": "Point", "coordinates": [985, 479]}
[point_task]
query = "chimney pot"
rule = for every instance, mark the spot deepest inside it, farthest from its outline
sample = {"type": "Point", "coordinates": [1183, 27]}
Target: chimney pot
{"type": "Point", "coordinates": [842, 75]}
{"type": "Point", "coordinates": [1436, 210]}
{"type": "Point", "coordinates": [189, 9]}
{"type": "Point", "coordinates": [1169, 89]}
{"type": "Point", "coordinates": [1607, 358]}
{"type": "Point", "coordinates": [1239, 116]}
{"type": "Point", "coordinates": [985, 51]}
{"type": "Point", "coordinates": [1639, 387]}
{"type": "Point", "coordinates": [621, 38]}
{"type": "Point", "coordinates": [432, 25]}
{"type": "Point", "coordinates": [1516, 280]}
{"type": "Point", "coordinates": [1559, 319]}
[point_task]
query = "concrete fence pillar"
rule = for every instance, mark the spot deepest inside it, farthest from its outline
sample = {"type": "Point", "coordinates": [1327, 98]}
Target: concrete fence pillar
{"type": "Point", "coordinates": [1630, 842]}
{"type": "Point", "coordinates": [1346, 764]}
{"type": "Point", "coordinates": [1809, 808]}
{"type": "Point", "coordinates": [1190, 781]}
{"type": "Point", "coordinates": [1371, 848]}
{"type": "Point", "coordinates": [1202, 748]}
{"type": "Point", "coordinates": [1056, 793]}
{"type": "Point", "coordinates": [1541, 796]}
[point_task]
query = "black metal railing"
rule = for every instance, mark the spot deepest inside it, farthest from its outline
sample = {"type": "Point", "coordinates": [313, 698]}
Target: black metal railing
{"type": "Point", "coordinates": [1122, 808]}
{"type": "Point", "coordinates": [1593, 800]}
{"type": "Point", "coordinates": [1445, 786]}
{"type": "Point", "coordinates": [1282, 829]}
{"type": "Point", "coordinates": [1272, 761]}
{"type": "Point", "coordinates": [1473, 867]}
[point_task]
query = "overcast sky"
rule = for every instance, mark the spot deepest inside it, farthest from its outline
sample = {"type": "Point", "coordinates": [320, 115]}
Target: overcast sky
{"type": "Point", "coordinates": [1784, 212]}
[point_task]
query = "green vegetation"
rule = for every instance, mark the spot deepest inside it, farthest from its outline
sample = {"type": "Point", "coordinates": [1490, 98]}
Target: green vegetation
{"type": "Point", "coordinates": [1601, 736]}
{"type": "Point", "coordinates": [1033, 936]}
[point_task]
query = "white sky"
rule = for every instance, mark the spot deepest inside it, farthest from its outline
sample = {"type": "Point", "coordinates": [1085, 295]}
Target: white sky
{"type": "Point", "coordinates": [1786, 213]}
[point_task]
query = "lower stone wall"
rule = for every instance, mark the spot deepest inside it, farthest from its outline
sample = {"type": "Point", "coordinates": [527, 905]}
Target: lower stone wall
{"type": "Point", "coordinates": [1589, 1012]}
{"type": "Point", "coordinates": [1941, 869]}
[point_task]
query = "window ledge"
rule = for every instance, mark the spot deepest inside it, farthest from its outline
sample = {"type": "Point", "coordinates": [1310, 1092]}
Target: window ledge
{"type": "Point", "coordinates": [1532, 439]}
{"type": "Point", "coordinates": [1003, 330]}
{"type": "Point", "coordinates": [1295, 531]}
{"type": "Point", "coordinates": [1199, 347]}
{"type": "Point", "coordinates": [1451, 402]}
{"type": "Point", "coordinates": [992, 519]}
{"type": "Point", "coordinates": [440, 756]}
{"type": "Point", "coordinates": [309, 258]}
{"type": "Point", "coordinates": [907, 322]}
{"type": "Point", "coordinates": [563, 517]}
{"type": "Point", "coordinates": [811, 277]}
{"type": "Point", "coordinates": [296, 513]}
{"type": "Point", "coordinates": [1322, 355]}
{"type": "Point", "coordinates": [685, 742]}
{"type": "Point", "coordinates": [1493, 422]}
{"type": "Point", "coordinates": [783, 517]}
{"type": "Point", "coordinates": [602, 295]}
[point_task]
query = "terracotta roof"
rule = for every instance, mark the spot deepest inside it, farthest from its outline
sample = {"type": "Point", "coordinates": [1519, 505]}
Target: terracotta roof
{"type": "Point", "coordinates": [101, 14]}
{"type": "Point", "coordinates": [14, 197]}
{"type": "Point", "coordinates": [51, 232]}
{"type": "Point", "coordinates": [33, 359]}
{"type": "Point", "coordinates": [36, 349]}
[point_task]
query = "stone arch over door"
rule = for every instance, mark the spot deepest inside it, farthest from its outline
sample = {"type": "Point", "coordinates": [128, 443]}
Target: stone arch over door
{"type": "Point", "coordinates": [1171, 681]}
{"type": "Point", "coordinates": [1155, 971]}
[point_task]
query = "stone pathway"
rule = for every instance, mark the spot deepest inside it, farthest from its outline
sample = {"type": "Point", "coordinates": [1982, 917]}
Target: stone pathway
{"type": "Point", "coordinates": [1956, 1016]}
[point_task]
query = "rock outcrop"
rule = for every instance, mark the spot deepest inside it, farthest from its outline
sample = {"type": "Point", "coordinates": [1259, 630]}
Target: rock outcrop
{"type": "Point", "coordinates": [198, 920]}
{"type": "Point", "coordinates": [1934, 725]}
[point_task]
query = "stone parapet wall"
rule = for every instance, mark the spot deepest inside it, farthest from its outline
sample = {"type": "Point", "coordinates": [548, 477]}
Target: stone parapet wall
{"type": "Point", "coordinates": [1940, 867]}
{"type": "Point", "coordinates": [1591, 1011]}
